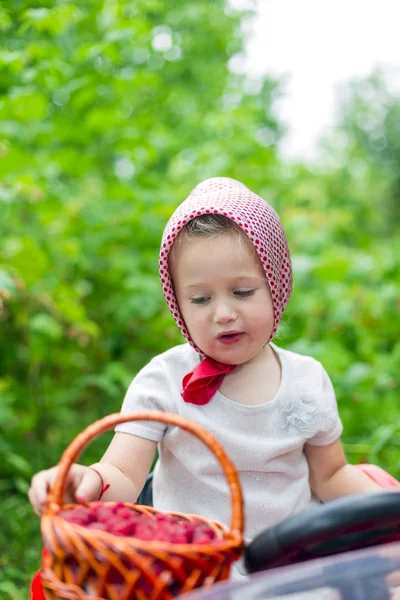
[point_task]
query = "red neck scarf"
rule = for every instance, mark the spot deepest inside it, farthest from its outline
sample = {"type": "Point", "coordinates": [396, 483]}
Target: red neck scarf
{"type": "Point", "coordinates": [225, 196]}
{"type": "Point", "coordinates": [200, 384]}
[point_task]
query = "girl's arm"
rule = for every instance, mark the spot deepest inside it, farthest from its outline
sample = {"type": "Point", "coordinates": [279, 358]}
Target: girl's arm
{"type": "Point", "coordinates": [125, 466]}
{"type": "Point", "coordinates": [123, 469]}
{"type": "Point", "coordinates": [330, 474]}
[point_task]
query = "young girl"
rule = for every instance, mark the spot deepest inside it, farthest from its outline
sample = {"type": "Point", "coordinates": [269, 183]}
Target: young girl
{"type": "Point", "coordinates": [226, 274]}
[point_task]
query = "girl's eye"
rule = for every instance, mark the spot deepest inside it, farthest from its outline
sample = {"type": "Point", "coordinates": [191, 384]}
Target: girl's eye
{"type": "Point", "coordinates": [244, 293]}
{"type": "Point", "coordinates": [240, 293]}
{"type": "Point", "coordinates": [201, 300]}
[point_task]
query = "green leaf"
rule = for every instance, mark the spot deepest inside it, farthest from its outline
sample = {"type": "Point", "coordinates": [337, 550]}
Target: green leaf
{"type": "Point", "coordinates": [7, 284]}
{"type": "Point", "coordinates": [47, 326]}
{"type": "Point", "coordinates": [5, 19]}
{"type": "Point", "coordinates": [11, 591]}
{"type": "Point", "coordinates": [27, 105]}
{"type": "Point", "coordinates": [20, 464]}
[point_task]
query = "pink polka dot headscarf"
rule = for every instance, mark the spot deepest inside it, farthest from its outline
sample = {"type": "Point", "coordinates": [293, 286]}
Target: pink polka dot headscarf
{"type": "Point", "coordinates": [225, 196]}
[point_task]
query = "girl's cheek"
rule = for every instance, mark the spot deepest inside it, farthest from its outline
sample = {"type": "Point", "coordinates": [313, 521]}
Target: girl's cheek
{"type": "Point", "coordinates": [200, 319]}
{"type": "Point", "coordinates": [201, 322]}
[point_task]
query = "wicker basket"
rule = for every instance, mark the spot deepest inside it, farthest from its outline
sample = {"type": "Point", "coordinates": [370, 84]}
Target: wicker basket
{"type": "Point", "coordinates": [86, 564]}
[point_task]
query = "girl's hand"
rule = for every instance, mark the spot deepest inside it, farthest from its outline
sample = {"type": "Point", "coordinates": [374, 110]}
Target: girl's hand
{"type": "Point", "coordinates": [82, 485]}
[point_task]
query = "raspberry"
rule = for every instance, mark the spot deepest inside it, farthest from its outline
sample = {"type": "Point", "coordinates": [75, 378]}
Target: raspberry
{"type": "Point", "coordinates": [98, 526]}
{"type": "Point", "coordinates": [121, 520]}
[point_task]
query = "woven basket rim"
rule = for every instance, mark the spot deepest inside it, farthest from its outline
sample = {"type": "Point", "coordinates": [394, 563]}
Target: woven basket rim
{"type": "Point", "coordinates": [231, 538]}
{"type": "Point", "coordinates": [150, 509]}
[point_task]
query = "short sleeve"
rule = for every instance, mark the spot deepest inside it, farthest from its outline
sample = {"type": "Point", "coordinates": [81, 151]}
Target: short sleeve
{"type": "Point", "coordinates": [331, 425]}
{"type": "Point", "coordinates": [149, 390]}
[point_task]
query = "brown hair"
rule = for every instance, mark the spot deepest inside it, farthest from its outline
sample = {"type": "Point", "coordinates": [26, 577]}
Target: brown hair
{"type": "Point", "coordinates": [209, 226]}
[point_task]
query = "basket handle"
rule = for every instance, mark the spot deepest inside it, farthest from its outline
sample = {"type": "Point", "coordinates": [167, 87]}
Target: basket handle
{"type": "Point", "coordinates": [72, 452]}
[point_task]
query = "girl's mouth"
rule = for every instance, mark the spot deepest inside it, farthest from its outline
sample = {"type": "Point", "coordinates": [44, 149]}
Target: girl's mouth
{"type": "Point", "coordinates": [230, 338]}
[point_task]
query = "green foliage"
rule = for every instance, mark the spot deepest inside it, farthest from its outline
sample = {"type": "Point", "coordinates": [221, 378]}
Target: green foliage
{"type": "Point", "coordinates": [367, 146]}
{"type": "Point", "coordinates": [21, 547]}
{"type": "Point", "coordinates": [110, 112]}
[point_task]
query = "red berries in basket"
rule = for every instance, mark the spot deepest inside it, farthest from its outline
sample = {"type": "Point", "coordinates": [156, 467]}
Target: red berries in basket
{"type": "Point", "coordinates": [119, 519]}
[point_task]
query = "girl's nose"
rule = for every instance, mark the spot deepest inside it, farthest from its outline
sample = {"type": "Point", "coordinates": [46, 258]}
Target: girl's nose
{"type": "Point", "coordinates": [224, 313]}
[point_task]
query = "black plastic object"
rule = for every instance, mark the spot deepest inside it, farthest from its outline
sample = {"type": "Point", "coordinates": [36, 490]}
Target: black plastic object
{"type": "Point", "coordinates": [348, 523]}
{"type": "Point", "coordinates": [145, 497]}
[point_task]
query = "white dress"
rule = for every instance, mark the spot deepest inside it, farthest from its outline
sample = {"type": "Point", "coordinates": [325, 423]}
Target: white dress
{"type": "Point", "coordinates": [265, 442]}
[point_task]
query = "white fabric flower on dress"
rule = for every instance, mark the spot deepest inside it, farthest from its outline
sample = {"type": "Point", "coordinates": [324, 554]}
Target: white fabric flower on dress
{"type": "Point", "coordinates": [304, 410]}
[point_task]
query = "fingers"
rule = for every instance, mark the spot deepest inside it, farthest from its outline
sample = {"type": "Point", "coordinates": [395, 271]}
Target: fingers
{"type": "Point", "coordinates": [89, 486]}
{"type": "Point", "coordinates": [34, 502]}
{"type": "Point", "coordinates": [42, 482]}
{"type": "Point", "coordinates": [39, 489]}
{"type": "Point", "coordinates": [82, 485]}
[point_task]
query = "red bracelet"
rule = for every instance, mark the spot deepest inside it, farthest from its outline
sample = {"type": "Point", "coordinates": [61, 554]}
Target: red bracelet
{"type": "Point", "coordinates": [104, 488]}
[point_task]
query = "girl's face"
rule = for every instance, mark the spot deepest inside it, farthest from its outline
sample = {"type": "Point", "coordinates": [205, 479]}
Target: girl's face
{"type": "Point", "coordinates": [224, 298]}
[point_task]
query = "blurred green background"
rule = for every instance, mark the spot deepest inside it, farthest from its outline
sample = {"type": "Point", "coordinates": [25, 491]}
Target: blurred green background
{"type": "Point", "coordinates": [110, 112]}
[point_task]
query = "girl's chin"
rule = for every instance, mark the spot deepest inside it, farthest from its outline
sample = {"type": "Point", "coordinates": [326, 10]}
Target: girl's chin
{"type": "Point", "coordinates": [230, 358]}
{"type": "Point", "coordinates": [223, 358]}
{"type": "Point", "coordinates": [237, 358]}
